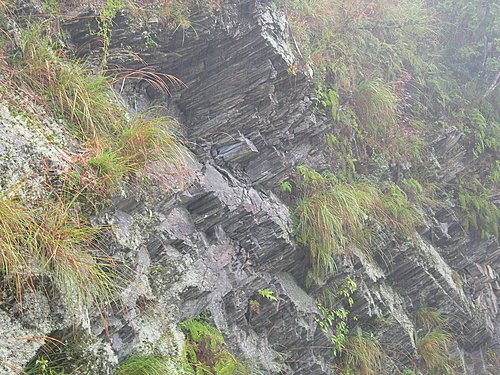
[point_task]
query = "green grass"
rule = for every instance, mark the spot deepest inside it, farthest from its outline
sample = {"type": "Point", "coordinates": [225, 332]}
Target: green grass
{"type": "Point", "coordinates": [333, 216]}
{"type": "Point", "coordinates": [376, 106]}
{"type": "Point", "coordinates": [150, 365]}
{"type": "Point", "coordinates": [117, 147]}
{"type": "Point", "coordinates": [13, 250]}
{"type": "Point", "coordinates": [433, 351]}
{"type": "Point", "coordinates": [110, 166]}
{"type": "Point", "coordinates": [84, 99]}
{"type": "Point", "coordinates": [330, 221]}
{"type": "Point", "coordinates": [429, 318]}
{"type": "Point", "coordinates": [52, 241]}
{"type": "Point", "coordinates": [362, 356]}
{"type": "Point", "coordinates": [398, 213]}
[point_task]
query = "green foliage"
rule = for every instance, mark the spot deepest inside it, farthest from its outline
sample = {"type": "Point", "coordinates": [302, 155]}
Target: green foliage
{"type": "Point", "coordinates": [433, 350]}
{"type": "Point", "coordinates": [368, 51]}
{"type": "Point", "coordinates": [106, 14]}
{"type": "Point", "coordinates": [286, 186]}
{"type": "Point", "coordinates": [480, 215]}
{"type": "Point", "coordinates": [136, 364]}
{"type": "Point", "coordinates": [362, 356]}
{"type": "Point", "coordinates": [329, 99]}
{"type": "Point", "coordinates": [483, 132]}
{"type": "Point", "coordinates": [142, 365]}
{"type": "Point", "coordinates": [117, 147]}
{"type": "Point", "coordinates": [334, 323]}
{"type": "Point", "coordinates": [412, 186]}
{"type": "Point", "coordinates": [43, 366]}
{"type": "Point", "coordinates": [398, 213]}
{"type": "Point", "coordinates": [268, 294]}
{"type": "Point", "coordinates": [376, 106]}
{"type": "Point", "coordinates": [329, 221]}
{"type": "Point", "coordinates": [72, 90]}
{"type": "Point", "coordinates": [333, 216]}
{"type": "Point", "coordinates": [429, 319]}
{"type": "Point", "coordinates": [51, 240]}
{"type": "Point", "coordinates": [110, 165]}
{"type": "Point", "coordinates": [205, 350]}
{"type": "Point", "coordinates": [432, 342]}
{"type": "Point", "coordinates": [334, 319]}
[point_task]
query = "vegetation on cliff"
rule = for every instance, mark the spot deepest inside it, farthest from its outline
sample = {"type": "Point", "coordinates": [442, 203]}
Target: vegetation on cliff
{"type": "Point", "coordinates": [388, 75]}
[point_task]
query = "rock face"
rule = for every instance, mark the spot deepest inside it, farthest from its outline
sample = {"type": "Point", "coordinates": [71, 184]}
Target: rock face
{"type": "Point", "coordinates": [248, 121]}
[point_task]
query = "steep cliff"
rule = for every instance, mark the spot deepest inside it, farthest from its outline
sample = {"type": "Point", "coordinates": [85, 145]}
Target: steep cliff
{"type": "Point", "coordinates": [227, 235]}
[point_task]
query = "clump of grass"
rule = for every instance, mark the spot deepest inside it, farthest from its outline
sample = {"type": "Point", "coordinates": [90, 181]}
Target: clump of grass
{"type": "Point", "coordinates": [85, 99]}
{"type": "Point", "coordinates": [433, 350]}
{"type": "Point", "coordinates": [52, 241]}
{"type": "Point", "coordinates": [376, 106]}
{"type": "Point", "coordinates": [110, 165]}
{"type": "Point", "coordinates": [362, 356]}
{"type": "Point", "coordinates": [117, 147]}
{"type": "Point", "coordinates": [429, 318]}
{"type": "Point", "coordinates": [397, 211]}
{"type": "Point", "coordinates": [13, 254]}
{"type": "Point", "coordinates": [333, 215]}
{"type": "Point", "coordinates": [151, 365]}
{"type": "Point", "coordinates": [330, 221]}
{"type": "Point", "coordinates": [149, 139]}
{"type": "Point", "coordinates": [433, 341]}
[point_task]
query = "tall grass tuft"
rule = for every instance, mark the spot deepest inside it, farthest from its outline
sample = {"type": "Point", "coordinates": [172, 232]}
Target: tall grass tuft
{"type": "Point", "coordinates": [433, 350]}
{"type": "Point", "coordinates": [52, 241]}
{"type": "Point", "coordinates": [332, 215]}
{"type": "Point", "coordinates": [429, 318]}
{"type": "Point", "coordinates": [117, 147]}
{"type": "Point", "coordinates": [73, 91]}
{"type": "Point", "coordinates": [332, 220]}
{"type": "Point", "coordinates": [362, 356]}
{"type": "Point", "coordinates": [376, 106]}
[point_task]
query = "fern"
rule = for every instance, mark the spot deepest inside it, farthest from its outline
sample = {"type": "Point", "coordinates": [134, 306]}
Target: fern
{"type": "Point", "coordinates": [268, 294]}
{"type": "Point", "coordinates": [205, 350]}
{"type": "Point", "coordinates": [479, 214]}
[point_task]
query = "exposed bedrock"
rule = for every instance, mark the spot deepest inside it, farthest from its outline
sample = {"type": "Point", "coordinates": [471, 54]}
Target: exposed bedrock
{"type": "Point", "coordinates": [248, 121]}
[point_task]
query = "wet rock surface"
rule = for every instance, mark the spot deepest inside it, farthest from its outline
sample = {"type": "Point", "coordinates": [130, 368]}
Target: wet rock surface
{"type": "Point", "coordinates": [248, 120]}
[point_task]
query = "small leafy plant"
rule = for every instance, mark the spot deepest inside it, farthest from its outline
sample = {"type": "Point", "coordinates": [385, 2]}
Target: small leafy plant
{"type": "Point", "coordinates": [268, 294]}
{"type": "Point", "coordinates": [334, 319]}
